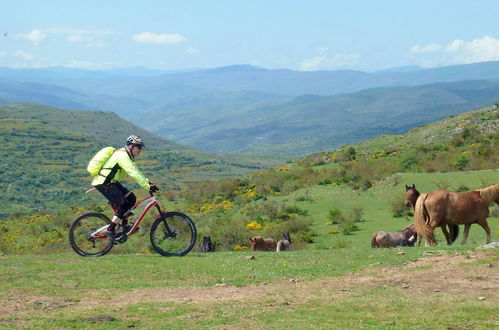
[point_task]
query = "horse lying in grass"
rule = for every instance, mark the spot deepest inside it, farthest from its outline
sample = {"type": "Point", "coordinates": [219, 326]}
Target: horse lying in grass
{"type": "Point", "coordinates": [438, 207]}
{"type": "Point", "coordinates": [258, 243]}
{"type": "Point", "coordinates": [403, 237]}
{"type": "Point", "coordinates": [411, 197]}
{"type": "Point", "coordinates": [284, 244]}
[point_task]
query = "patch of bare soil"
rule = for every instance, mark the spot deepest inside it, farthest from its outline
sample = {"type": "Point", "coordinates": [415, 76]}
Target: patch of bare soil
{"type": "Point", "coordinates": [446, 274]}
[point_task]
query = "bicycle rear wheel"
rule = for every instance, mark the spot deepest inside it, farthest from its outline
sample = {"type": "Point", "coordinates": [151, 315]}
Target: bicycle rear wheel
{"type": "Point", "coordinates": [82, 237]}
{"type": "Point", "coordinates": [173, 234]}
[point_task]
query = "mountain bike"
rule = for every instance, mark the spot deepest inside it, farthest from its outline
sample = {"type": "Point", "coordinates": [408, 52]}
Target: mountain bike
{"type": "Point", "coordinates": [171, 234]}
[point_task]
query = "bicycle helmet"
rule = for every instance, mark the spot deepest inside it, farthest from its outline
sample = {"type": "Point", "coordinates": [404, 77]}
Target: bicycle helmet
{"type": "Point", "coordinates": [135, 140]}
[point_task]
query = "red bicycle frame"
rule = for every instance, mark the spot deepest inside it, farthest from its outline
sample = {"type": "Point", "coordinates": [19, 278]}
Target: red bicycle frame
{"type": "Point", "coordinates": [147, 203]}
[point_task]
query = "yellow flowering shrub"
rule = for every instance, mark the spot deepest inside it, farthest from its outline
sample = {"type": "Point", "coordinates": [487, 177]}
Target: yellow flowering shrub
{"type": "Point", "coordinates": [254, 225]}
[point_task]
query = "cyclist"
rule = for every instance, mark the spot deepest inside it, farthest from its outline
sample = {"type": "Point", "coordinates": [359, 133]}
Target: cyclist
{"type": "Point", "coordinates": [120, 164]}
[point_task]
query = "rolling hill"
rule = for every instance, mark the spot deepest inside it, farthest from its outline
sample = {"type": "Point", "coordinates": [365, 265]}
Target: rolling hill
{"type": "Point", "coordinates": [311, 123]}
{"type": "Point", "coordinates": [45, 152]}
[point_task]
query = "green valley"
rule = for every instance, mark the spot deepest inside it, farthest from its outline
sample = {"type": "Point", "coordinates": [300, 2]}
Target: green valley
{"type": "Point", "coordinates": [45, 152]}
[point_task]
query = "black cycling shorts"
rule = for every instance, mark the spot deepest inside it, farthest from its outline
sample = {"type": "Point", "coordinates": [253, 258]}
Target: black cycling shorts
{"type": "Point", "coordinates": [116, 194]}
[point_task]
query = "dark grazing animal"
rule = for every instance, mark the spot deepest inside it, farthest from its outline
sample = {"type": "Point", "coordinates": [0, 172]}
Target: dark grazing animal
{"type": "Point", "coordinates": [207, 245]}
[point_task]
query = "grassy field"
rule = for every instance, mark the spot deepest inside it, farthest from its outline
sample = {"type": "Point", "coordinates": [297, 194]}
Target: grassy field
{"type": "Point", "coordinates": [337, 282]}
{"type": "Point", "coordinates": [342, 288]}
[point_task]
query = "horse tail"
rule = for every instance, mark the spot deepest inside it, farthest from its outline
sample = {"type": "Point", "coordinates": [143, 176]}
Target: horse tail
{"type": "Point", "coordinates": [374, 242]}
{"type": "Point", "coordinates": [454, 232]}
{"type": "Point", "coordinates": [421, 218]}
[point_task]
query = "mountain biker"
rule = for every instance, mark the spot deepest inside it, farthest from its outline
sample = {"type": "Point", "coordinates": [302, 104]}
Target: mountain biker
{"type": "Point", "coordinates": [120, 164]}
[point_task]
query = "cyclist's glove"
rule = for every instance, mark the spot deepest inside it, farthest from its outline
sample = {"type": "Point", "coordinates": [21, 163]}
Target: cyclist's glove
{"type": "Point", "coordinates": [153, 187]}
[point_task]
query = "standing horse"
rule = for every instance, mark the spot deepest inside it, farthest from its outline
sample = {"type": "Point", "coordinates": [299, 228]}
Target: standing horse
{"type": "Point", "coordinates": [440, 206]}
{"type": "Point", "coordinates": [258, 243]}
{"type": "Point", "coordinates": [411, 196]}
{"type": "Point", "coordinates": [403, 237]}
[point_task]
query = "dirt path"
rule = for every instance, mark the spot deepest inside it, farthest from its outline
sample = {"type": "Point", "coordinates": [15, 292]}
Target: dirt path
{"type": "Point", "coordinates": [446, 274]}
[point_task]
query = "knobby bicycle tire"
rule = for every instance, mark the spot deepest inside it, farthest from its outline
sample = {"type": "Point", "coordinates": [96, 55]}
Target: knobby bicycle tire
{"type": "Point", "coordinates": [178, 240]}
{"type": "Point", "coordinates": [79, 235]}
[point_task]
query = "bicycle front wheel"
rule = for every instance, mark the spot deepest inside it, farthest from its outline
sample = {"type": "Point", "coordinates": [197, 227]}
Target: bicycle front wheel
{"type": "Point", "coordinates": [84, 237]}
{"type": "Point", "coordinates": [173, 234]}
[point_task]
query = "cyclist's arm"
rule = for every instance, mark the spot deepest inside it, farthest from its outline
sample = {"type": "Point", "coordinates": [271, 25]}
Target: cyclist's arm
{"type": "Point", "coordinates": [127, 165]}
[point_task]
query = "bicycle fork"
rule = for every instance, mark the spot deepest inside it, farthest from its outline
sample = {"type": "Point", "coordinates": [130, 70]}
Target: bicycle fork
{"type": "Point", "coordinates": [169, 232]}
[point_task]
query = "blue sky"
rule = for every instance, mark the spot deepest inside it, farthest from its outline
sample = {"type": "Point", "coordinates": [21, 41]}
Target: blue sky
{"type": "Point", "coordinates": [298, 35]}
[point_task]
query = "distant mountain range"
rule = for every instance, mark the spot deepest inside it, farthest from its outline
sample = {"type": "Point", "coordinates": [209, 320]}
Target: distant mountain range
{"type": "Point", "coordinates": [246, 109]}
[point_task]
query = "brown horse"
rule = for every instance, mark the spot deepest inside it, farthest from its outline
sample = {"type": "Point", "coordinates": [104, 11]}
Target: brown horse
{"type": "Point", "coordinates": [258, 243]}
{"type": "Point", "coordinates": [411, 196]}
{"type": "Point", "coordinates": [440, 206]}
{"type": "Point", "coordinates": [403, 237]}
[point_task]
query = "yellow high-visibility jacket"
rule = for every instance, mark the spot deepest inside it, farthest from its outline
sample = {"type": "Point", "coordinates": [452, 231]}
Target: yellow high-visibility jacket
{"type": "Point", "coordinates": [126, 166]}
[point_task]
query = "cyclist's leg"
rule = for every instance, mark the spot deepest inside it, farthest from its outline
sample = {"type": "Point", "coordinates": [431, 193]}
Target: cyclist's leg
{"type": "Point", "coordinates": [121, 198]}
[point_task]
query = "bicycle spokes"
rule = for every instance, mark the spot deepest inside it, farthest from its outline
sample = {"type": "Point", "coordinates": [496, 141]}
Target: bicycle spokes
{"type": "Point", "coordinates": [173, 234]}
{"type": "Point", "coordinates": [85, 234]}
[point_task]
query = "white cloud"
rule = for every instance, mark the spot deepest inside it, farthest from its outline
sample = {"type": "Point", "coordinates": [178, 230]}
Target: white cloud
{"type": "Point", "coordinates": [89, 41]}
{"type": "Point", "coordinates": [75, 38]}
{"type": "Point", "coordinates": [88, 65]}
{"type": "Point", "coordinates": [35, 36]}
{"type": "Point", "coordinates": [458, 52]}
{"type": "Point", "coordinates": [24, 56]}
{"type": "Point", "coordinates": [92, 31]}
{"type": "Point", "coordinates": [163, 39]}
{"type": "Point", "coordinates": [431, 48]}
{"type": "Point", "coordinates": [192, 51]}
{"type": "Point", "coordinates": [324, 61]}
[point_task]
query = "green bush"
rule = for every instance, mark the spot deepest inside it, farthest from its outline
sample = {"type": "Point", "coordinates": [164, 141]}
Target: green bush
{"type": "Point", "coordinates": [335, 215]}
{"type": "Point", "coordinates": [461, 161]}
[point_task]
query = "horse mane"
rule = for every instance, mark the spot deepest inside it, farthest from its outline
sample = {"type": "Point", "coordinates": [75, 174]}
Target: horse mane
{"type": "Point", "coordinates": [490, 194]}
{"type": "Point", "coordinates": [421, 218]}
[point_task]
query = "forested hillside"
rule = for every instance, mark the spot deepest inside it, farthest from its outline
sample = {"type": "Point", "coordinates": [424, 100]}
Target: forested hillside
{"type": "Point", "coordinates": [45, 151]}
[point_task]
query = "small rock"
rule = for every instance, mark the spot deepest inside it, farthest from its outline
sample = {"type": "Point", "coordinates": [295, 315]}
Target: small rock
{"type": "Point", "coordinates": [405, 285]}
{"type": "Point", "coordinates": [220, 285]}
{"type": "Point", "coordinates": [482, 298]}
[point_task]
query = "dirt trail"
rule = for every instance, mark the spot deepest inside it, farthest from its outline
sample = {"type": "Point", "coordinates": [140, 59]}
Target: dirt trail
{"type": "Point", "coordinates": [446, 274]}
